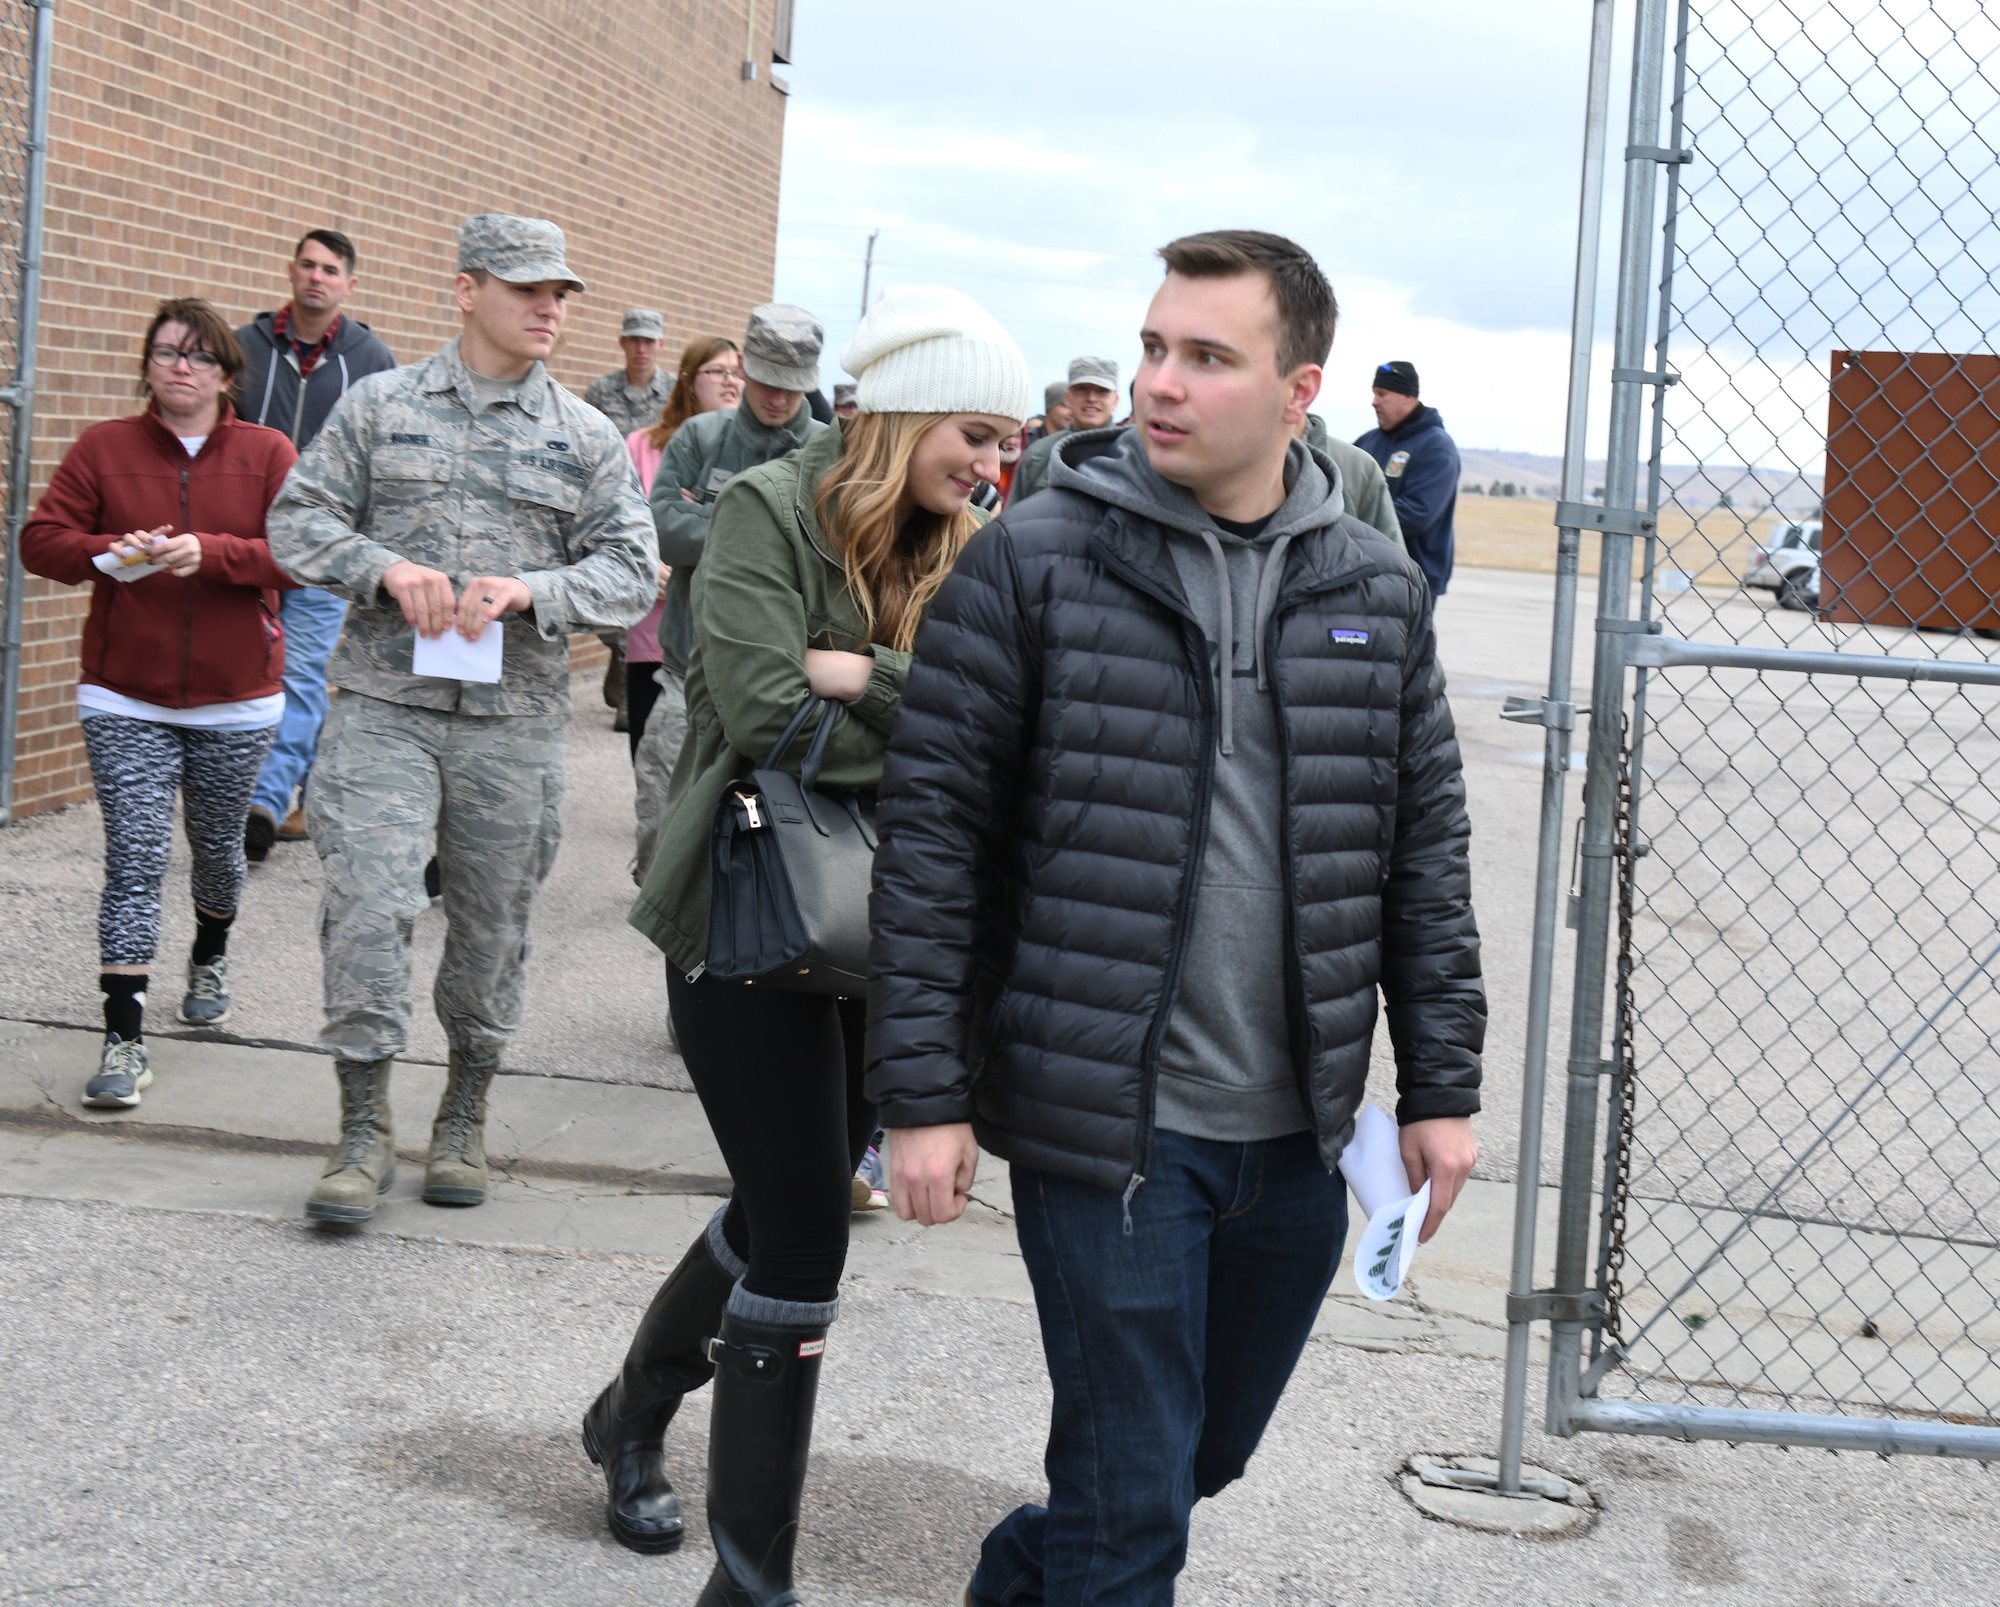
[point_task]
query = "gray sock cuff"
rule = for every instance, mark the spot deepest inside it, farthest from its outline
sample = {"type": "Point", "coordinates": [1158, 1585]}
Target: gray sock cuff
{"type": "Point", "coordinates": [770, 1313]}
{"type": "Point", "coordinates": [718, 1247]}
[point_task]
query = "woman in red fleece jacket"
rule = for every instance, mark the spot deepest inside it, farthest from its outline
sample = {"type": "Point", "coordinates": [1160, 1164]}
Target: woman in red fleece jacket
{"type": "Point", "coordinates": [163, 513]}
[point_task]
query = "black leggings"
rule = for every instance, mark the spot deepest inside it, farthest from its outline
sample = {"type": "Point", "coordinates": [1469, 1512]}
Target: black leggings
{"type": "Point", "coordinates": [779, 1075]}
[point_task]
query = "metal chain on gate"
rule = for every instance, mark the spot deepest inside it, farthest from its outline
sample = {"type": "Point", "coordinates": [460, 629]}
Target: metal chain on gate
{"type": "Point", "coordinates": [1620, 1182]}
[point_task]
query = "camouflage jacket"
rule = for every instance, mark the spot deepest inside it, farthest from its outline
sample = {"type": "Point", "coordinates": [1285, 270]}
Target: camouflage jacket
{"type": "Point", "coordinates": [538, 486]}
{"type": "Point", "coordinates": [627, 408]}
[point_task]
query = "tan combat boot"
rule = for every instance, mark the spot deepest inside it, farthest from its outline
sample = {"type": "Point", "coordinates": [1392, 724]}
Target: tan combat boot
{"type": "Point", "coordinates": [364, 1164]}
{"type": "Point", "coordinates": [456, 1171]}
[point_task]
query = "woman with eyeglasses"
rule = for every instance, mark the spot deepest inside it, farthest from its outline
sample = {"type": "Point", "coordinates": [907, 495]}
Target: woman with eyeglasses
{"type": "Point", "coordinates": [710, 379]}
{"type": "Point", "coordinates": [163, 514]}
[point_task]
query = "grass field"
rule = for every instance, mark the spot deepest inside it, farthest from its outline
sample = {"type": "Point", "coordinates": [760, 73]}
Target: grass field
{"type": "Point", "coordinates": [1520, 533]}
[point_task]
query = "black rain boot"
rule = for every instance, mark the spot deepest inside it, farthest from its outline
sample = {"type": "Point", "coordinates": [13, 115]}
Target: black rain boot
{"type": "Point", "coordinates": [759, 1437]}
{"type": "Point", "coordinates": [624, 1432]}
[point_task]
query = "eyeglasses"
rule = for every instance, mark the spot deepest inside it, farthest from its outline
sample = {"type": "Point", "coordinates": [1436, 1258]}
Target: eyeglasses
{"type": "Point", "coordinates": [167, 356]}
{"type": "Point", "coordinates": [716, 373]}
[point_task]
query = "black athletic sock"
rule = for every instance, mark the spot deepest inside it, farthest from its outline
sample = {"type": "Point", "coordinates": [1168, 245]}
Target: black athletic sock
{"type": "Point", "coordinates": [124, 1004]}
{"type": "Point", "coordinates": [211, 936]}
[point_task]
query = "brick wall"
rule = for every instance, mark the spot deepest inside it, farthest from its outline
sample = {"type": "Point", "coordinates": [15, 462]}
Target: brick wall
{"type": "Point", "coordinates": [192, 141]}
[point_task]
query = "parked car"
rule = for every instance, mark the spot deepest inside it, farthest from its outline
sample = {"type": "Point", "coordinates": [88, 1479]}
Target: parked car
{"type": "Point", "coordinates": [1788, 564]}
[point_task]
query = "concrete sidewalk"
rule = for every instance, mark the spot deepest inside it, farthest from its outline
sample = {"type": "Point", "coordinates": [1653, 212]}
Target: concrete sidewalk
{"type": "Point", "coordinates": [591, 1168]}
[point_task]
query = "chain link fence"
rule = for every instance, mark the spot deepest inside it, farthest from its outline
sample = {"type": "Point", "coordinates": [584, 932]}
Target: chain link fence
{"type": "Point", "coordinates": [1787, 1225]}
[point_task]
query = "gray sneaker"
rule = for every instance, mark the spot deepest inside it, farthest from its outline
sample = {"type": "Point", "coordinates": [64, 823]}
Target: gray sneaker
{"type": "Point", "coordinates": [121, 1075]}
{"type": "Point", "coordinates": [207, 1001]}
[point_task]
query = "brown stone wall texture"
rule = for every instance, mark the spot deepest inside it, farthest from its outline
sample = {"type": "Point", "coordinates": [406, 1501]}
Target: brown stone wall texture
{"type": "Point", "coordinates": [192, 141]}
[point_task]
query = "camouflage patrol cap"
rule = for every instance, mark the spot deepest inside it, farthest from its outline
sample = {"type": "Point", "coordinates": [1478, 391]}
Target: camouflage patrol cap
{"type": "Point", "coordinates": [781, 347]}
{"type": "Point", "coordinates": [522, 251]}
{"type": "Point", "coordinates": [643, 323]}
{"type": "Point", "coordinates": [1099, 371]}
{"type": "Point", "coordinates": [845, 392]}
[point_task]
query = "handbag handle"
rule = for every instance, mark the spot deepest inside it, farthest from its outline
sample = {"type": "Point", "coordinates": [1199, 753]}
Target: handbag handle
{"type": "Point", "coordinates": [816, 754]}
{"type": "Point", "coordinates": [792, 730]}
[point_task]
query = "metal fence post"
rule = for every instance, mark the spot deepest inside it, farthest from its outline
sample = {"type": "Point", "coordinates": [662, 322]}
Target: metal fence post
{"type": "Point", "coordinates": [1557, 714]}
{"type": "Point", "coordinates": [1621, 521]}
{"type": "Point", "coordinates": [20, 396]}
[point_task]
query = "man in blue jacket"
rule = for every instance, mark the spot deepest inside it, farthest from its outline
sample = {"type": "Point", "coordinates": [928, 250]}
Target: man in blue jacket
{"type": "Point", "coordinates": [301, 361]}
{"type": "Point", "coordinates": [1421, 463]}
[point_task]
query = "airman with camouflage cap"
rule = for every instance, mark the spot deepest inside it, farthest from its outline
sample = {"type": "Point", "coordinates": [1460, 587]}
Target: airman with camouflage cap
{"type": "Point", "coordinates": [1091, 399]}
{"type": "Point", "coordinates": [634, 397]}
{"type": "Point", "coordinates": [468, 493]}
{"type": "Point", "coordinates": [780, 364]}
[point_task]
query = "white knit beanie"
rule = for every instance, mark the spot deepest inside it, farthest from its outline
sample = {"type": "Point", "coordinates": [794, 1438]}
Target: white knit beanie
{"type": "Point", "coordinates": [923, 349]}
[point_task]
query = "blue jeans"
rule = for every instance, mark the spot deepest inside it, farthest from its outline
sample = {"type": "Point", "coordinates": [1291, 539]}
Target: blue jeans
{"type": "Point", "coordinates": [1167, 1348]}
{"type": "Point", "coordinates": [312, 621]}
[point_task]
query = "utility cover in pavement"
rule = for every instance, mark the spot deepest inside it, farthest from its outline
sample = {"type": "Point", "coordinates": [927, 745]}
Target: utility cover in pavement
{"type": "Point", "coordinates": [1530, 1516]}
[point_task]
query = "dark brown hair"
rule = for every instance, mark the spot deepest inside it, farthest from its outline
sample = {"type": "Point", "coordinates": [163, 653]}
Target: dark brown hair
{"type": "Point", "coordinates": [211, 333]}
{"type": "Point", "coordinates": [1307, 311]}
{"type": "Point", "coordinates": [333, 240]}
{"type": "Point", "coordinates": [696, 355]}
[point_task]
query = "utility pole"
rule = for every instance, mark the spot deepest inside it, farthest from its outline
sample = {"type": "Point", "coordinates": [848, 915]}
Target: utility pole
{"type": "Point", "coordinates": [868, 270]}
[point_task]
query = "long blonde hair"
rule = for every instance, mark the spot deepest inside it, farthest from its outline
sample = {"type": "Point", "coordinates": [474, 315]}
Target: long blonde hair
{"type": "Point", "coordinates": [696, 355]}
{"type": "Point", "coordinates": [893, 570]}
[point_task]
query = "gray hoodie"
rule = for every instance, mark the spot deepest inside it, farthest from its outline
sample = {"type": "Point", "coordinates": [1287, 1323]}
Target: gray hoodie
{"type": "Point", "coordinates": [1225, 1068]}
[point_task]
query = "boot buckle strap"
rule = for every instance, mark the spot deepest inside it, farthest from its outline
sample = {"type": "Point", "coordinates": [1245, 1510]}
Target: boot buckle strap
{"type": "Point", "coordinates": [751, 1361]}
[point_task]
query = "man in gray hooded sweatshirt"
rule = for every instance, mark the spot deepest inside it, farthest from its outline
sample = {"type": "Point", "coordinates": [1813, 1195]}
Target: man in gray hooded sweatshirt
{"type": "Point", "coordinates": [1174, 796]}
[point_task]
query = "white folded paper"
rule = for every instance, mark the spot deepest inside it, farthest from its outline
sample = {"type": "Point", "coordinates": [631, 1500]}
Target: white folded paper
{"type": "Point", "coordinates": [109, 564]}
{"type": "Point", "coordinates": [1372, 1163]}
{"type": "Point", "coordinates": [451, 657]}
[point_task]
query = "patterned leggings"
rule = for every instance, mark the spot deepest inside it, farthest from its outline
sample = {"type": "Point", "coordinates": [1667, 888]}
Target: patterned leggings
{"type": "Point", "coordinates": [138, 766]}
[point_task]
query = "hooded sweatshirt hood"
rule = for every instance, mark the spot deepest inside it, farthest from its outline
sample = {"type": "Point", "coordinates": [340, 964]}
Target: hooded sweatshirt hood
{"type": "Point", "coordinates": [271, 391]}
{"type": "Point", "coordinates": [1111, 466]}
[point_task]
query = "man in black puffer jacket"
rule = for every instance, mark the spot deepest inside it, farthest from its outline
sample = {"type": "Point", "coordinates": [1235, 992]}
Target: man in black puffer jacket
{"type": "Point", "coordinates": [1173, 792]}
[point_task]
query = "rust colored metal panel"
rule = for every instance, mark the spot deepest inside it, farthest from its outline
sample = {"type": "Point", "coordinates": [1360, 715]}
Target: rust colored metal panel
{"type": "Point", "coordinates": [1912, 524]}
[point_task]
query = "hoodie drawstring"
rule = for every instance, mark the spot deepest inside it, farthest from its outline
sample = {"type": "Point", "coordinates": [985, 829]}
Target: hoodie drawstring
{"type": "Point", "coordinates": [1267, 600]}
{"type": "Point", "coordinates": [1225, 664]}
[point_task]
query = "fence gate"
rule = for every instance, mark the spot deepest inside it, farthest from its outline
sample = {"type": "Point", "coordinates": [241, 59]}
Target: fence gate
{"type": "Point", "coordinates": [26, 30]}
{"type": "Point", "coordinates": [1780, 1208]}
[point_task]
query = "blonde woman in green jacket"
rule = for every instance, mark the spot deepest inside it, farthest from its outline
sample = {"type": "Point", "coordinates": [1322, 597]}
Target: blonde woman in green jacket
{"type": "Point", "coordinates": [818, 569]}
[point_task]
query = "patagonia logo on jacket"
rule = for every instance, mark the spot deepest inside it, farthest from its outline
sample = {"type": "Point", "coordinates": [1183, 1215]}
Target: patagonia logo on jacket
{"type": "Point", "coordinates": [1349, 638]}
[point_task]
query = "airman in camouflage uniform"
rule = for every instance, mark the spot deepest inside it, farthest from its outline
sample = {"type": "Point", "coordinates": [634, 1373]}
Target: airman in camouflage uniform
{"type": "Point", "coordinates": [449, 496]}
{"type": "Point", "coordinates": [780, 365]}
{"type": "Point", "coordinates": [634, 407]}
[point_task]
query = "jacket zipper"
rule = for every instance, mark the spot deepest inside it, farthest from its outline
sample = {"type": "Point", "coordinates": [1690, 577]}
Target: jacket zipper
{"type": "Point", "coordinates": [299, 408]}
{"type": "Point", "coordinates": [187, 604]}
{"type": "Point", "coordinates": [1295, 982]}
{"type": "Point", "coordinates": [1149, 1062]}
{"type": "Point", "coordinates": [1295, 975]}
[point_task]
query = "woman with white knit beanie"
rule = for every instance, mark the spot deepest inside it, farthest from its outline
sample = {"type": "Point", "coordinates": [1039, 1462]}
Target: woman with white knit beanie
{"type": "Point", "coordinates": [819, 568]}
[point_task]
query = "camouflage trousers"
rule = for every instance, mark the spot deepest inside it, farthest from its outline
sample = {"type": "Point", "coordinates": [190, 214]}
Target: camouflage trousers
{"type": "Point", "coordinates": [653, 763]}
{"type": "Point", "coordinates": [392, 780]}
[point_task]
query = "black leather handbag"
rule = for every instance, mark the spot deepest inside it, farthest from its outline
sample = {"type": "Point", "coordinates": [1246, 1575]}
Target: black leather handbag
{"type": "Point", "coordinates": [788, 873]}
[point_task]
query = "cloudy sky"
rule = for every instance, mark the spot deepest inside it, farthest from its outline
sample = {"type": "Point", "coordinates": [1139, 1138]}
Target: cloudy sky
{"type": "Point", "coordinates": [1035, 154]}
